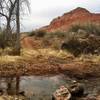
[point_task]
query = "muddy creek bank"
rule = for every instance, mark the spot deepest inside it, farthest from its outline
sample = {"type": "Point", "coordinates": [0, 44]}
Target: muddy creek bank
{"type": "Point", "coordinates": [42, 87]}
{"type": "Point", "coordinates": [50, 67]}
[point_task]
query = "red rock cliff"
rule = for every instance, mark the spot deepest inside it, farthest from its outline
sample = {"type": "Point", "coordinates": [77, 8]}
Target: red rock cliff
{"type": "Point", "coordinates": [78, 15]}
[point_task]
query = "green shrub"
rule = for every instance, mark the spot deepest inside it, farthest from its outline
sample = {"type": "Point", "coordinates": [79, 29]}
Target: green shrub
{"type": "Point", "coordinates": [80, 39]}
{"type": "Point", "coordinates": [75, 28]}
{"type": "Point", "coordinates": [90, 28]}
{"type": "Point", "coordinates": [72, 45]}
{"type": "Point", "coordinates": [2, 40]}
{"type": "Point", "coordinates": [40, 33]}
{"type": "Point", "coordinates": [49, 35]}
{"type": "Point", "coordinates": [46, 42]}
{"type": "Point", "coordinates": [59, 34]}
{"type": "Point", "coordinates": [32, 33]}
{"type": "Point", "coordinates": [6, 43]}
{"type": "Point", "coordinates": [56, 44]}
{"type": "Point", "coordinates": [79, 46]}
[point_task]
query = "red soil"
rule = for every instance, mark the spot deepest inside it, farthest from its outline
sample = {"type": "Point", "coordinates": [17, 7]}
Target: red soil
{"type": "Point", "coordinates": [30, 42]}
{"type": "Point", "coordinates": [78, 15]}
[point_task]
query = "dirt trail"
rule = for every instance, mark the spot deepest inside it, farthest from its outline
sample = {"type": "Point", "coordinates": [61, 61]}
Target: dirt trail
{"type": "Point", "coordinates": [29, 42]}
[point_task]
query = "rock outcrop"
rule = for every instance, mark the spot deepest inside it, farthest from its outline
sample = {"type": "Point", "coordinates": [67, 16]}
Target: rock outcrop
{"type": "Point", "coordinates": [76, 89]}
{"type": "Point", "coordinates": [78, 15]}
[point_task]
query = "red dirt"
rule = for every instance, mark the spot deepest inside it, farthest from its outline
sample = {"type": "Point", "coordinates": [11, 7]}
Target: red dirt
{"type": "Point", "coordinates": [30, 42]}
{"type": "Point", "coordinates": [78, 15]}
{"type": "Point", "coordinates": [41, 66]}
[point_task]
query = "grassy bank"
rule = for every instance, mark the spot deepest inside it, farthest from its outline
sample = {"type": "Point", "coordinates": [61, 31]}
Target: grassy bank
{"type": "Point", "coordinates": [49, 61]}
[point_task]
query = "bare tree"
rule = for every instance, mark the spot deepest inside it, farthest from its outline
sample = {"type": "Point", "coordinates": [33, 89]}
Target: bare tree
{"type": "Point", "coordinates": [6, 10]}
{"type": "Point", "coordinates": [10, 10]}
{"type": "Point", "coordinates": [18, 28]}
{"type": "Point", "coordinates": [19, 8]}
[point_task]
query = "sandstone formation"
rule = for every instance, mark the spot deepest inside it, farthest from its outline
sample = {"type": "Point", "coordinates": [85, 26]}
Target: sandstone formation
{"type": "Point", "coordinates": [78, 15]}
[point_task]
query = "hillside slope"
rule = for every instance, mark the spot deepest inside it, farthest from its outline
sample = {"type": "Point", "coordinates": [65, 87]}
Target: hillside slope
{"type": "Point", "coordinates": [78, 15]}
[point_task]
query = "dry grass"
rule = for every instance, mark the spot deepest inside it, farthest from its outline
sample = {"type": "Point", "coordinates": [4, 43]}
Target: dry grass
{"type": "Point", "coordinates": [49, 61]}
{"type": "Point", "coordinates": [45, 53]}
{"type": "Point", "coordinates": [6, 97]}
{"type": "Point", "coordinates": [33, 53]}
{"type": "Point", "coordinates": [88, 58]}
{"type": "Point", "coordinates": [8, 58]}
{"type": "Point", "coordinates": [5, 57]}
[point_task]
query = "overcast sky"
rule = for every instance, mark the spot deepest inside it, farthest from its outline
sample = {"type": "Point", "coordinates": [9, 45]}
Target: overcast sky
{"type": "Point", "coordinates": [43, 11]}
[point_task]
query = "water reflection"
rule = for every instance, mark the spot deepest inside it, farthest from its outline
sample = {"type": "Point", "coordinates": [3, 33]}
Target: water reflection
{"type": "Point", "coordinates": [42, 87]}
{"type": "Point", "coordinates": [35, 87]}
{"type": "Point", "coordinates": [10, 85]}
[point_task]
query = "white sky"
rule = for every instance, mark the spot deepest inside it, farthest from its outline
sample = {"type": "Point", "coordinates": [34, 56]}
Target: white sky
{"type": "Point", "coordinates": [43, 11]}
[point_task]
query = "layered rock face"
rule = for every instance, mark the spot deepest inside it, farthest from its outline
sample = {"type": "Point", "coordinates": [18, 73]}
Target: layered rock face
{"type": "Point", "coordinates": [76, 16]}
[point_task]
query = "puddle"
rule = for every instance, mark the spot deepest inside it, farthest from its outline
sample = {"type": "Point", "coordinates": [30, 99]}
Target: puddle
{"type": "Point", "coordinates": [42, 87]}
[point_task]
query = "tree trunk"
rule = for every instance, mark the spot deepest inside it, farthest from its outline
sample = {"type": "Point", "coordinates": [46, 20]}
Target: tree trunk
{"type": "Point", "coordinates": [8, 30]}
{"type": "Point", "coordinates": [17, 84]}
{"type": "Point", "coordinates": [18, 29]}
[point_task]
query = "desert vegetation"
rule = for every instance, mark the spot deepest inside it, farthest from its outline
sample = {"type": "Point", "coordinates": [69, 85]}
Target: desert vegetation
{"type": "Point", "coordinates": [10, 12]}
{"type": "Point", "coordinates": [83, 39]}
{"type": "Point", "coordinates": [79, 39]}
{"type": "Point", "coordinates": [75, 51]}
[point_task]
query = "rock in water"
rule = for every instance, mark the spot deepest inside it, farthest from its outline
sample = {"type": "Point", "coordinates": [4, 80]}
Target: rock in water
{"type": "Point", "coordinates": [22, 93]}
{"type": "Point", "coordinates": [1, 92]}
{"type": "Point", "coordinates": [76, 89]}
{"type": "Point", "coordinates": [61, 94]}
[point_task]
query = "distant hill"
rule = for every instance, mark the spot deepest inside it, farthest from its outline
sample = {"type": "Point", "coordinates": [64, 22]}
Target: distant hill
{"type": "Point", "coordinates": [78, 15]}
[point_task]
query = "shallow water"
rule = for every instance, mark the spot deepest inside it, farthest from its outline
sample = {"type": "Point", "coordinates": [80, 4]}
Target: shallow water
{"type": "Point", "coordinates": [42, 87]}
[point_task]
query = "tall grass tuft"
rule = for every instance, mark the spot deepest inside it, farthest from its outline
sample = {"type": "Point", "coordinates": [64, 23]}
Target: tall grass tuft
{"type": "Point", "coordinates": [90, 28]}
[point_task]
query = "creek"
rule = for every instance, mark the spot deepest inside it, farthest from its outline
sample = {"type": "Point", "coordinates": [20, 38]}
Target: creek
{"type": "Point", "coordinates": [42, 87]}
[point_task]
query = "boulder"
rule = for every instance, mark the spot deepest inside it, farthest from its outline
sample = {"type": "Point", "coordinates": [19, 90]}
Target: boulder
{"type": "Point", "coordinates": [61, 94]}
{"type": "Point", "coordinates": [76, 89]}
{"type": "Point", "coordinates": [66, 93]}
